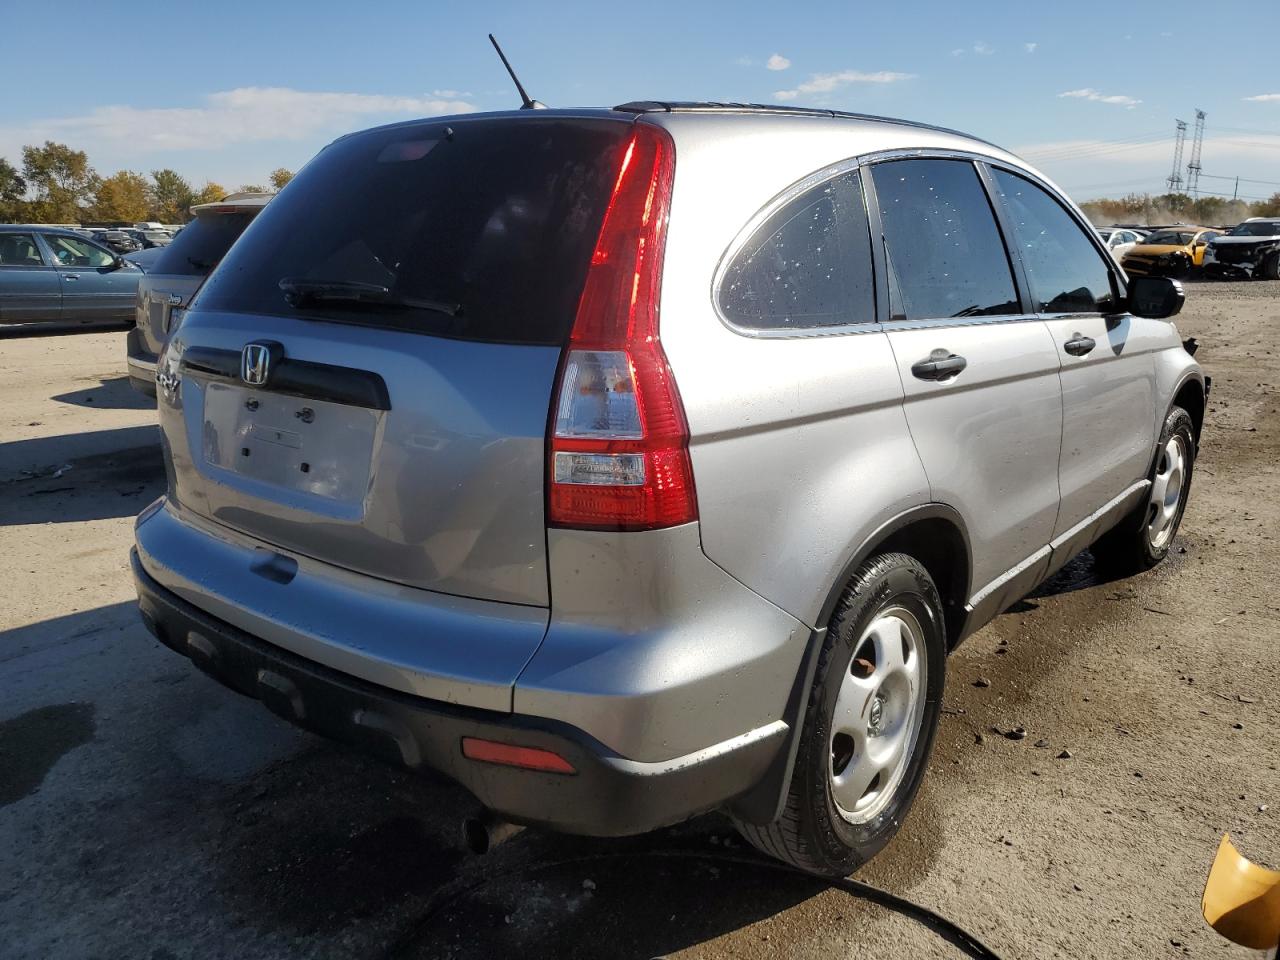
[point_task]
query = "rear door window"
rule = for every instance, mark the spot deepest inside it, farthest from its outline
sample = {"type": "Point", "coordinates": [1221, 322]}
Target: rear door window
{"type": "Point", "coordinates": [943, 249]}
{"type": "Point", "coordinates": [1066, 271]}
{"type": "Point", "coordinates": [19, 250]}
{"type": "Point", "coordinates": [495, 219]}
{"type": "Point", "coordinates": [203, 243]}
{"type": "Point", "coordinates": [808, 266]}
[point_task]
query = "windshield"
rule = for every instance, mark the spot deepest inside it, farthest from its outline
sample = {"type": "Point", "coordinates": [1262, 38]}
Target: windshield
{"type": "Point", "coordinates": [1178, 238]}
{"type": "Point", "coordinates": [1263, 228]}
{"type": "Point", "coordinates": [199, 246]}
{"type": "Point", "coordinates": [493, 218]}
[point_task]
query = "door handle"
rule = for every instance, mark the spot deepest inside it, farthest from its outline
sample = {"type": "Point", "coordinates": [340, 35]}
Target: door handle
{"type": "Point", "coordinates": [1079, 346]}
{"type": "Point", "coordinates": [939, 365]}
{"type": "Point", "coordinates": [69, 276]}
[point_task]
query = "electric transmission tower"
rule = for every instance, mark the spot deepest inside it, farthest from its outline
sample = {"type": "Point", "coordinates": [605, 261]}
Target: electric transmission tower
{"type": "Point", "coordinates": [1193, 167]}
{"type": "Point", "coordinates": [1179, 140]}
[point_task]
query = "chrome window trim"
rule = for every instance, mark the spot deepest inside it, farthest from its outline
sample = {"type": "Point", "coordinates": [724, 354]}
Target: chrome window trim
{"type": "Point", "coordinates": [841, 167]}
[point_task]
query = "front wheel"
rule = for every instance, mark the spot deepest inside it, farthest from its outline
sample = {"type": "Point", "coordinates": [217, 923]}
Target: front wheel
{"type": "Point", "coordinates": [870, 722]}
{"type": "Point", "coordinates": [1143, 538]}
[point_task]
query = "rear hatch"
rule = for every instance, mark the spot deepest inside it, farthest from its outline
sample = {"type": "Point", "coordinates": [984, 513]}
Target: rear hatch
{"type": "Point", "coordinates": [180, 270]}
{"type": "Point", "coordinates": [405, 300]}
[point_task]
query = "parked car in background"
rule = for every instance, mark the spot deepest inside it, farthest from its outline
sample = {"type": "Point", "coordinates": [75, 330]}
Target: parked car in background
{"type": "Point", "coordinates": [1169, 252]}
{"type": "Point", "coordinates": [144, 259]}
{"type": "Point", "coordinates": [119, 241]}
{"type": "Point", "coordinates": [176, 274]}
{"type": "Point", "coordinates": [150, 238]}
{"type": "Point", "coordinates": [54, 278]}
{"type": "Point", "coordinates": [627, 464]}
{"type": "Point", "coordinates": [1250, 249]}
{"type": "Point", "coordinates": [1119, 241]}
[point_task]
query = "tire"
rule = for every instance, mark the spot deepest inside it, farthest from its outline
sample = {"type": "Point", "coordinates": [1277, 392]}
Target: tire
{"type": "Point", "coordinates": [1270, 268]}
{"type": "Point", "coordinates": [1143, 538]}
{"type": "Point", "coordinates": [828, 825]}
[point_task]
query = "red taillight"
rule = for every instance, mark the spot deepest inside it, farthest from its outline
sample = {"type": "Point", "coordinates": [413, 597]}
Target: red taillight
{"type": "Point", "coordinates": [510, 755]}
{"type": "Point", "coordinates": [619, 449]}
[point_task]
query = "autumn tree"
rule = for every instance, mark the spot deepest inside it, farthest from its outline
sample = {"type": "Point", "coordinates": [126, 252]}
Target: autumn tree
{"type": "Point", "coordinates": [279, 177]}
{"type": "Point", "coordinates": [1269, 207]}
{"type": "Point", "coordinates": [210, 193]}
{"type": "Point", "coordinates": [171, 197]}
{"type": "Point", "coordinates": [122, 196]}
{"type": "Point", "coordinates": [252, 188]}
{"type": "Point", "coordinates": [13, 191]}
{"type": "Point", "coordinates": [61, 179]}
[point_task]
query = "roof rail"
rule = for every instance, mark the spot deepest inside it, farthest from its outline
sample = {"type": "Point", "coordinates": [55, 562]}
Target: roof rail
{"type": "Point", "coordinates": [709, 106]}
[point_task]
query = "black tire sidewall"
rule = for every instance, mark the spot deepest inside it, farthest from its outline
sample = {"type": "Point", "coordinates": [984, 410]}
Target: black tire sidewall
{"type": "Point", "coordinates": [842, 845]}
{"type": "Point", "coordinates": [1178, 421]}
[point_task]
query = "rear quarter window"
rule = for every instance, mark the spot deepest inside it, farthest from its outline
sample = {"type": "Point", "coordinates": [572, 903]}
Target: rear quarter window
{"type": "Point", "coordinates": [808, 266]}
{"type": "Point", "coordinates": [202, 244]}
{"type": "Point", "coordinates": [497, 217]}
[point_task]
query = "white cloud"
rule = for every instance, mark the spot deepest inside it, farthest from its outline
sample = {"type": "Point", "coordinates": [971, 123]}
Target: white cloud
{"type": "Point", "coordinates": [827, 82]}
{"type": "Point", "coordinates": [1088, 93]}
{"type": "Point", "coordinates": [1030, 47]}
{"type": "Point", "coordinates": [983, 49]}
{"type": "Point", "coordinates": [777, 62]}
{"type": "Point", "coordinates": [243, 115]}
{"type": "Point", "coordinates": [958, 52]}
{"type": "Point", "coordinates": [1265, 98]}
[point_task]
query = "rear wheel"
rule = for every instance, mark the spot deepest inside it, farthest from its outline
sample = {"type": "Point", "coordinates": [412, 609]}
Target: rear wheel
{"type": "Point", "coordinates": [870, 722]}
{"type": "Point", "coordinates": [1270, 268]}
{"type": "Point", "coordinates": [1143, 538]}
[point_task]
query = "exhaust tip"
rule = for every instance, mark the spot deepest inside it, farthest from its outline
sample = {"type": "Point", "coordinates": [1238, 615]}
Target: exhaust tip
{"type": "Point", "coordinates": [484, 831]}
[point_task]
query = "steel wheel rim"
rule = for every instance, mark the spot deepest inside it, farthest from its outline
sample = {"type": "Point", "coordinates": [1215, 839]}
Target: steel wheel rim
{"type": "Point", "coordinates": [1166, 492]}
{"type": "Point", "coordinates": [878, 714]}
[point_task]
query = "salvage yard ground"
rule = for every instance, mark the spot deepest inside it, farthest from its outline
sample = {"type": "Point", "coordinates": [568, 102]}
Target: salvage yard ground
{"type": "Point", "coordinates": [146, 812]}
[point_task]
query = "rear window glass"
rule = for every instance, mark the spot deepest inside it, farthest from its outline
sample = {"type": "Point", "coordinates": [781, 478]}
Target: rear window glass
{"type": "Point", "coordinates": [203, 243]}
{"type": "Point", "coordinates": [491, 221]}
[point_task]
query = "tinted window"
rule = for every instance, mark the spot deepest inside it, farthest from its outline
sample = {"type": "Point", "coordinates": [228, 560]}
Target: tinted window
{"type": "Point", "coordinates": [203, 243]}
{"type": "Point", "coordinates": [19, 250]}
{"type": "Point", "coordinates": [1066, 272]}
{"type": "Point", "coordinates": [808, 265]}
{"type": "Point", "coordinates": [75, 252]}
{"type": "Point", "coordinates": [943, 249]}
{"type": "Point", "coordinates": [498, 217]}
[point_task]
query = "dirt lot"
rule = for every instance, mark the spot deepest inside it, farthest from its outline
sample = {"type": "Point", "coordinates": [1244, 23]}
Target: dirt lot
{"type": "Point", "coordinates": [147, 812]}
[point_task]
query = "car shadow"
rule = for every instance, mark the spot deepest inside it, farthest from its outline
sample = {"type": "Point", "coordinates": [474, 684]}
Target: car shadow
{"type": "Point", "coordinates": [112, 394]}
{"type": "Point", "coordinates": [45, 482]}
{"type": "Point", "coordinates": [1080, 574]}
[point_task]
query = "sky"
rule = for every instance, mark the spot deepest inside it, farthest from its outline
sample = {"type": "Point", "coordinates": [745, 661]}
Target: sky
{"type": "Point", "coordinates": [1088, 92]}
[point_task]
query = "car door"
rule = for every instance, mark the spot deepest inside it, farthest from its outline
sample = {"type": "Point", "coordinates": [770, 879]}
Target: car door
{"type": "Point", "coordinates": [29, 286]}
{"type": "Point", "coordinates": [979, 371]}
{"type": "Point", "coordinates": [1106, 355]}
{"type": "Point", "coordinates": [94, 286]}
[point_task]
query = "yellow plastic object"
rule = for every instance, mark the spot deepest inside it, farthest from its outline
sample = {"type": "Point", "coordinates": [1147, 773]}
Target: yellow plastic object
{"type": "Point", "coordinates": [1242, 900]}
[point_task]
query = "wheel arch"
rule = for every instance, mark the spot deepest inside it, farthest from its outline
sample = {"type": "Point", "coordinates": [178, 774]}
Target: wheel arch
{"type": "Point", "coordinates": [936, 535]}
{"type": "Point", "coordinates": [1190, 396]}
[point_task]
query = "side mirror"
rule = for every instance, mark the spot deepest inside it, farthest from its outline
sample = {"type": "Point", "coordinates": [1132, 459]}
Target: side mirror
{"type": "Point", "coordinates": [1156, 298]}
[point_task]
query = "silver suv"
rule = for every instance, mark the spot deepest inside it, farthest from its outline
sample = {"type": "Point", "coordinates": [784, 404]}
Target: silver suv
{"type": "Point", "coordinates": [627, 464]}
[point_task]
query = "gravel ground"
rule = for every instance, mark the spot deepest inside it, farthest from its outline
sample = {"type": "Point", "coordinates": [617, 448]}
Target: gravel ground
{"type": "Point", "coordinates": [147, 812]}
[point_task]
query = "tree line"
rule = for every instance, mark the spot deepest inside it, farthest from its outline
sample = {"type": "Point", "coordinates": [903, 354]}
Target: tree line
{"type": "Point", "coordinates": [57, 184]}
{"type": "Point", "coordinates": [1143, 208]}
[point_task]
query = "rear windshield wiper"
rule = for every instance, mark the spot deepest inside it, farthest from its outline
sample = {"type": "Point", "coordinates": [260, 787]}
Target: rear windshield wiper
{"type": "Point", "coordinates": [298, 292]}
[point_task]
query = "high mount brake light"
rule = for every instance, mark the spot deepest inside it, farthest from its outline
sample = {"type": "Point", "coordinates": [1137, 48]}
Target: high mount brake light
{"type": "Point", "coordinates": [619, 447]}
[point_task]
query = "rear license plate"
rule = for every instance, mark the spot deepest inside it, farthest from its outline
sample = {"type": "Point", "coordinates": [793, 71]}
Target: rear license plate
{"type": "Point", "coordinates": [308, 446]}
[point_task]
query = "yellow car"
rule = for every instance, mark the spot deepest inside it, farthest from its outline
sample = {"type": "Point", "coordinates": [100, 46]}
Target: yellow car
{"type": "Point", "coordinates": [1169, 252]}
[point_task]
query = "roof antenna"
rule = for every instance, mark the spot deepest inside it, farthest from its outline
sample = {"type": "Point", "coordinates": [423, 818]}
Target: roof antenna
{"type": "Point", "coordinates": [525, 102]}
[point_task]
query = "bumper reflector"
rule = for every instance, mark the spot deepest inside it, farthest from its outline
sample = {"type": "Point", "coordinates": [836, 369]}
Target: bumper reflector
{"type": "Point", "coordinates": [507, 754]}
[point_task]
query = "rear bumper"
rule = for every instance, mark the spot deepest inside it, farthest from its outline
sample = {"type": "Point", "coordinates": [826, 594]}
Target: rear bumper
{"type": "Point", "coordinates": [608, 795]}
{"type": "Point", "coordinates": [141, 364]}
